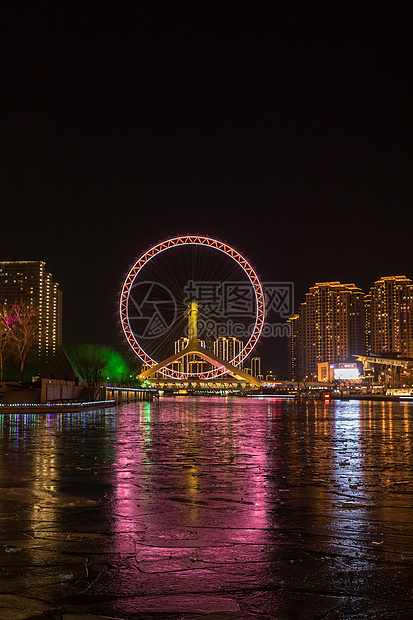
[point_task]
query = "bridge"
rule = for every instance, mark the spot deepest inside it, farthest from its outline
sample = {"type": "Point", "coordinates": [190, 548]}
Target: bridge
{"type": "Point", "coordinates": [241, 381]}
{"type": "Point", "coordinates": [194, 386]}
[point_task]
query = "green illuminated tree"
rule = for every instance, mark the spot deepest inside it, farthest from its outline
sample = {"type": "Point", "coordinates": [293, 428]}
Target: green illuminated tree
{"type": "Point", "coordinates": [101, 363]}
{"type": "Point", "coordinates": [116, 368]}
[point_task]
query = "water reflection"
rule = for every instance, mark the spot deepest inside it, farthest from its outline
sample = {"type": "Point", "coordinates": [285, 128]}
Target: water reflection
{"type": "Point", "coordinates": [192, 463]}
{"type": "Point", "coordinates": [256, 485]}
{"type": "Point", "coordinates": [40, 452]}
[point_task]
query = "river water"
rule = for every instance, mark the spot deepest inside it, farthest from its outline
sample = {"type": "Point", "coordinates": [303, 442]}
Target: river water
{"type": "Point", "coordinates": [242, 507]}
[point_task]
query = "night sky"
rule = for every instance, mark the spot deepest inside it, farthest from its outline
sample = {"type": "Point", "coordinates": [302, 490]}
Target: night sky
{"type": "Point", "coordinates": [283, 128]}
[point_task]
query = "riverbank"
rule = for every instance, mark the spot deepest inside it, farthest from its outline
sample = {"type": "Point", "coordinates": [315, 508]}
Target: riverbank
{"type": "Point", "coordinates": [323, 398]}
{"type": "Point", "coordinates": [54, 407]}
{"type": "Point", "coordinates": [375, 397]}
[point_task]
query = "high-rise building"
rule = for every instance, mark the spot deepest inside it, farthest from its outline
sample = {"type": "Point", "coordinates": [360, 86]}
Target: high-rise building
{"type": "Point", "coordinates": [409, 322]}
{"type": "Point", "coordinates": [294, 349]}
{"type": "Point", "coordinates": [330, 327]}
{"type": "Point", "coordinates": [29, 283]}
{"type": "Point", "coordinates": [228, 348]}
{"type": "Point", "coordinates": [190, 364]}
{"type": "Point", "coordinates": [389, 311]}
{"type": "Point", "coordinates": [181, 344]}
{"type": "Point", "coordinates": [256, 368]}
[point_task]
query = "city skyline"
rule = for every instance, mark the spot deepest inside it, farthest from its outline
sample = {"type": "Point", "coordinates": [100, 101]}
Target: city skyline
{"type": "Point", "coordinates": [284, 130]}
{"type": "Point", "coordinates": [377, 332]}
{"type": "Point", "coordinates": [339, 323]}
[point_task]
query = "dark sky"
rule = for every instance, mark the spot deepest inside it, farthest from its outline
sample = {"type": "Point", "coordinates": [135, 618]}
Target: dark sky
{"type": "Point", "coordinates": [283, 128]}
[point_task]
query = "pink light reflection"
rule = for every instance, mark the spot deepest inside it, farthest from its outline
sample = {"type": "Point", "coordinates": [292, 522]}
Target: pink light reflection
{"type": "Point", "coordinates": [194, 465]}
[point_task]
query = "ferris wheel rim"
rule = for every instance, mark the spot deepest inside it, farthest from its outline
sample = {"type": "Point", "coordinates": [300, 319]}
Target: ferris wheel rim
{"type": "Point", "coordinates": [191, 240]}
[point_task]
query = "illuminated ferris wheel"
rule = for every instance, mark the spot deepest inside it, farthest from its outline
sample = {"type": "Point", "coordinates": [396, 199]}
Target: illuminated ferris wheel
{"type": "Point", "coordinates": [162, 283]}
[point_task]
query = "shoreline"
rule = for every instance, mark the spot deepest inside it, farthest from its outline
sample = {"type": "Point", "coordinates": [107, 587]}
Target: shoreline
{"type": "Point", "coordinates": [54, 407]}
{"type": "Point", "coordinates": [73, 406]}
{"type": "Point", "coordinates": [371, 397]}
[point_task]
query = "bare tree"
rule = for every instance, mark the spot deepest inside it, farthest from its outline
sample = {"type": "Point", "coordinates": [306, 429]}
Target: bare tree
{"type": "Point", "coordinates": [6, 320]}
{"type": "Point", "coordinates": [23, 331]}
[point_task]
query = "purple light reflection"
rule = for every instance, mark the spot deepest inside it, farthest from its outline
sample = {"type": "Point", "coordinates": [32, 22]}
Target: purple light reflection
{"type": "Point", "coordinates": [186, 466]}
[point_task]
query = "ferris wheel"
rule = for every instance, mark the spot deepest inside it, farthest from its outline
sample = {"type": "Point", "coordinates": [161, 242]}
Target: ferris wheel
{"type": "Point", "coordinates": [164, 280]}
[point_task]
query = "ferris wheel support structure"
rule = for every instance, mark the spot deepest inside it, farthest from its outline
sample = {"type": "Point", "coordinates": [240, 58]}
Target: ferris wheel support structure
{"type": "Point", "coordinates": [194, 346]}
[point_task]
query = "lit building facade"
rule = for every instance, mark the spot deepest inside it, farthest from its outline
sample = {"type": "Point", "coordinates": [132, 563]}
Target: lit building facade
{"type": "Point", "coordinates": [228, 348]}
{"type": "Point", "coordinates": [29, 282]}
{"type": "Point", "coordinates": [256, 368]}
{"type": "Point", "coordinates": [330, 327]}
{"type": "Point", "coordinates": [389, 311]}
{"type": "Point", "coordinates": [294, 349]}
{"type": "Point", "coordinates": [190, 364]}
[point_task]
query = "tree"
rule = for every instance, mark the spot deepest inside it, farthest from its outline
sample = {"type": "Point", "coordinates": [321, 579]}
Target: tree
{"type": "Point", "coordinates": [6, 319]}
{"type": "Point", "coordinates": [116, 369]}
{"type": "Point", "coordinates": [20, 326]}
{"type": "Point", "coordinates": [90, 360]}
{"type": "Point", "coordinates": [101, 363]}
